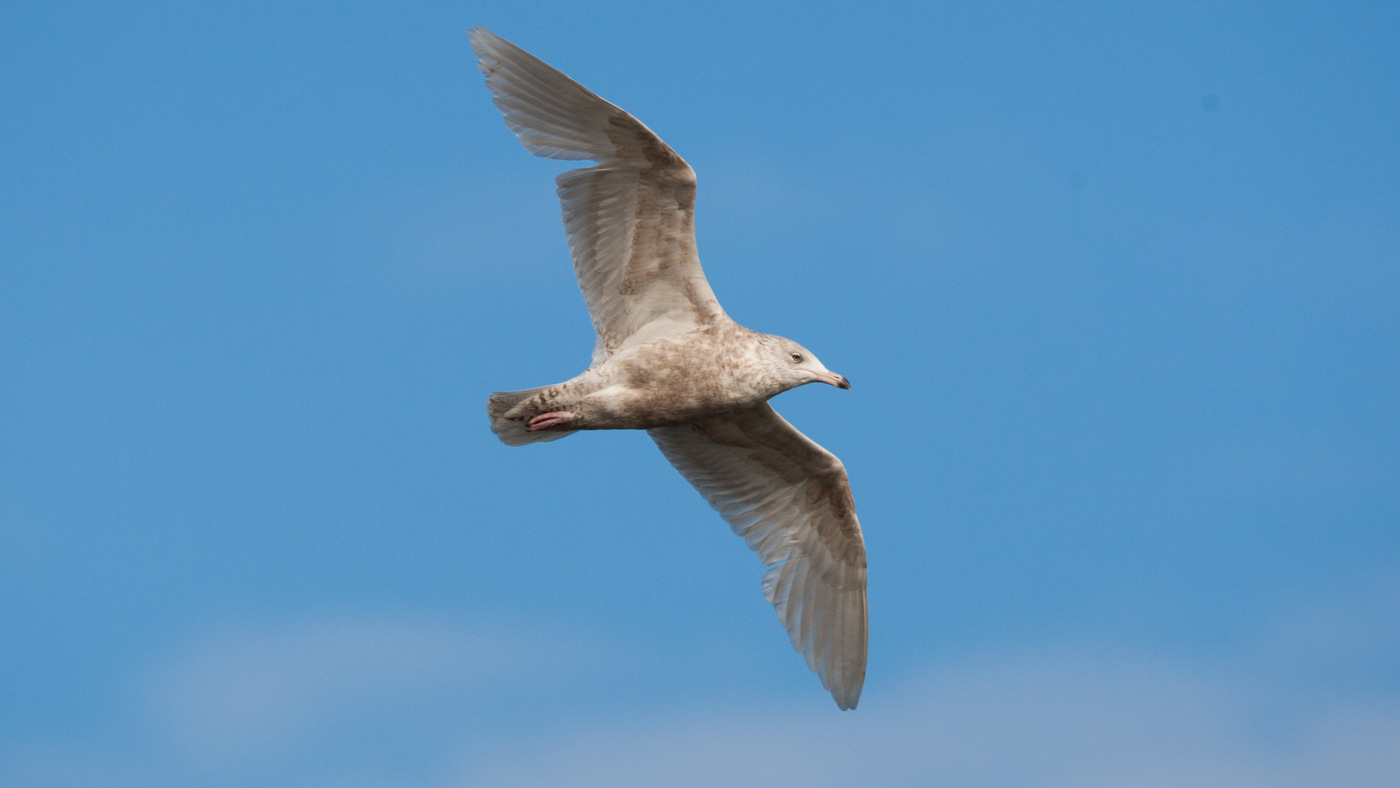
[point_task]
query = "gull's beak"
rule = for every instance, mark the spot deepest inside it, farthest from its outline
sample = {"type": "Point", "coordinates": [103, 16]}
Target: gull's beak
{"type": "Point", "coordinates": [839, 381]}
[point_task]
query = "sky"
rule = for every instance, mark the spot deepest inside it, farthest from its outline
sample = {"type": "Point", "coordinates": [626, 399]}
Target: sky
{"type": "Point", "coordinates": [1116, 286]}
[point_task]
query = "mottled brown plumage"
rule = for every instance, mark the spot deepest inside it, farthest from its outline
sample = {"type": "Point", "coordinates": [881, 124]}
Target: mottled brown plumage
{"type": "Point", "coordinates": [670, 361]}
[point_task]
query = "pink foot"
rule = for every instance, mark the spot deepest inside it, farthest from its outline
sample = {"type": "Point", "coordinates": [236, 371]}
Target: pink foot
{"type": "Point", "coordinates": [546, 421]}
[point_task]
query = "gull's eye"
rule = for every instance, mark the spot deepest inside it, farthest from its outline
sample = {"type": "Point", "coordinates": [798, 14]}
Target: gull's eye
{"type": "Point", "coordinates": [797, 357]}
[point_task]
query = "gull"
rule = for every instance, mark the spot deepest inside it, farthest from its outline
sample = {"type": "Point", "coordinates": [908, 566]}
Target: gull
{"type": "Point", "coordinates": [668, 360]}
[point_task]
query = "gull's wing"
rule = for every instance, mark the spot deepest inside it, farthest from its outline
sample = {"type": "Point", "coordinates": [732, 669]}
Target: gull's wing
{"type": "Point", "coordinates": [791, 501]}
{"type": "Point", "coordinates": [630, 219]}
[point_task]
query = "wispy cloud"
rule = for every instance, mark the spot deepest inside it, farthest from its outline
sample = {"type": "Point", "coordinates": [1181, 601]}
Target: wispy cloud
{"type": "Point", "coordinates": [303, 702]}
{"type": "Point", "coordinates": [1274, 714]}
{"type": "Point", "coordinates": [269, 705]}
{"type": "Point", "coordinates": [241, 690]}
{"type": "Point", "coordinates": [1060, 719]}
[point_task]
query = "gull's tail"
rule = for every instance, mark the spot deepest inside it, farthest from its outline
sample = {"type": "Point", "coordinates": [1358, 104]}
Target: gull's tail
{"type": "Point", "coordinates": [512, 431]}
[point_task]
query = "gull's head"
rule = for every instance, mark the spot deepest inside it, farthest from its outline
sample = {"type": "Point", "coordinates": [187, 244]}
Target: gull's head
{"type": "Point", "coordinates": [797, 366]}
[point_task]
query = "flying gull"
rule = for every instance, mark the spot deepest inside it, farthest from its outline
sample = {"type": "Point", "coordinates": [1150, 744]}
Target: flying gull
{"type": "Point", "coordinates": [668, 360]}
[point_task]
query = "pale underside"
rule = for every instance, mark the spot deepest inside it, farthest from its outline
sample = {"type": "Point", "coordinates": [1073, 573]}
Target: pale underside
{"type": "Point", "coordinates": [630, 224]}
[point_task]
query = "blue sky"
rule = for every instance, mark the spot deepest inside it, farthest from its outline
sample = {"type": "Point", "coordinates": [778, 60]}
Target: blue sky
{"type": "Point", "coordinates": [1116, 287]}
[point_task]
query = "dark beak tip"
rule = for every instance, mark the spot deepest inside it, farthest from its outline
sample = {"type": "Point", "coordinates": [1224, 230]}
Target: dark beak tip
{"type": "Point", "coordinates": [845, 384]}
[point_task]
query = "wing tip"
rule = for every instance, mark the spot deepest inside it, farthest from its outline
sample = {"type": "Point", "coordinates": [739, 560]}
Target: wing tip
{"type": "Point", "coordinates": [481, 39]}
{"type": "Point", "coordinates": [846, 690]}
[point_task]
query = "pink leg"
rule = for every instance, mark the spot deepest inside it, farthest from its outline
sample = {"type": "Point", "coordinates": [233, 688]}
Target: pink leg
{"type": "Point", "coordinates": [546, 421]}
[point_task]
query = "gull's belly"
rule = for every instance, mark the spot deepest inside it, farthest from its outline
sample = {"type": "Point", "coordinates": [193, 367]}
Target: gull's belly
{"type": "Point", "coordinates": [670, 383]}
{"type": "Point", "coordinates": [669, 399]}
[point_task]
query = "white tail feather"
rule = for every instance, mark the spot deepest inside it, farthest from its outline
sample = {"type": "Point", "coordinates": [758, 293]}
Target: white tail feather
{"type": "Point", "coordinates": [513, 432]}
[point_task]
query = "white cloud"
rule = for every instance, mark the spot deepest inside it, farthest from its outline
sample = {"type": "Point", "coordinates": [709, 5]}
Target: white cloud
{"type": "Point", "coordinates": [1062, 719]}
{"type": "Point", "coordinates": [302, 703]}
{"type": "Point", "coordinates": [1079, 717]}
{"type": "Point", "coordinates": [268, 705]}
{"type": "Point", "coordinates": [242, 690]}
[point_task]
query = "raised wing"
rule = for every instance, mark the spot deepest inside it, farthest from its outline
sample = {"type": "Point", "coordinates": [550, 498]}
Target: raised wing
{"type": "Point", "coordinates": [630, 219]}
{"type": "Point", "coordinates": [791, 501]}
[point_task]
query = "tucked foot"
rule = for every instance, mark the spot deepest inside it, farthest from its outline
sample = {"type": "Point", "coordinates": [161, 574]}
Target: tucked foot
{"type": "Point", "coordinates": [546, 421]}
